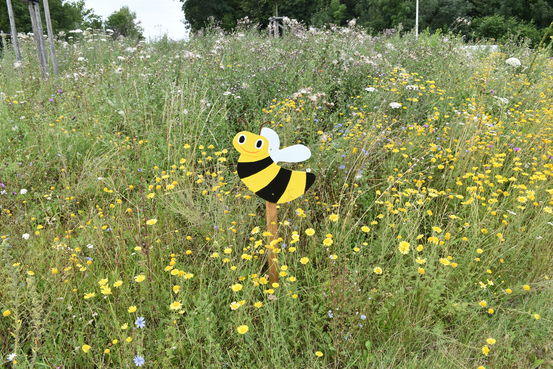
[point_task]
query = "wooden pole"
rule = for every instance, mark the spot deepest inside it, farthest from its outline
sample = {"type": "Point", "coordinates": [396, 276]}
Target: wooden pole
{"type": "Point", "coordinates": [41, 33]}
{"type": "Point", "coordinates": [50, 36]}
{"type": "Point", "coordinates": [272, 227]}
{"type": "Point", "coordinates": [38, 37]}
{"type": "Point", "coordinates": [15, 41]}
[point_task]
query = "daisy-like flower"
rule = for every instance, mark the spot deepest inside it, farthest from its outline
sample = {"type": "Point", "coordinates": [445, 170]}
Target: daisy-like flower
{"type": "Point", "coordinates": [139, 360]}
{"type": "Point", "coordinates": [242, 329]}
{"type": "Point", "coordinates": [395, 105]}
{"type": "Point", "coordinates": [140, 322]}
{"type": "Point", "coordinates": [176, 305]}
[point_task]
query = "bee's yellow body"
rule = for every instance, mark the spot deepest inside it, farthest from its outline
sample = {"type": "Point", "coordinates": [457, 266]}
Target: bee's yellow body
{"type": "Point", "coordinates": [263, 176]}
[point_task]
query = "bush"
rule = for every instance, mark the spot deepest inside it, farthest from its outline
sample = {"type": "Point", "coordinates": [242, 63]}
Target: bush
{"type": "Point", "coordinates": [503, 28]}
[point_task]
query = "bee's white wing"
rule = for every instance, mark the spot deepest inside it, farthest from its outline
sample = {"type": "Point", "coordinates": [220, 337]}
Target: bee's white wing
{"type": "Point", "coordinates": [274, 141]}
{"type": "Point", "coordinates": [292, 154]}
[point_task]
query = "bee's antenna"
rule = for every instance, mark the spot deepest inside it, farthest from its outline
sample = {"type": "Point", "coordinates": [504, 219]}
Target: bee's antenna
{"type": "Point", "coordinates": [264, 124]}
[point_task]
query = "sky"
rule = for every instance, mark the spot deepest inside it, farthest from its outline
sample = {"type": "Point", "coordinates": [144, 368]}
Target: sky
{"type": "Point", "coordinates": [157, 17]}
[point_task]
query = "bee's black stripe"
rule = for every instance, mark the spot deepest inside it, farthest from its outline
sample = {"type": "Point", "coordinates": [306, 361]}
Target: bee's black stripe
{"type": "Point", "coordinates": [309, 179]}
{"type": "Point", "coordinates": [274, 190]}
{"type": "Point", "coordinates": [248, 168]}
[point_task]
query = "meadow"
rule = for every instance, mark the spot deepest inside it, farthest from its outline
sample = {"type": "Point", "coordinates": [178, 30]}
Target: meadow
{"type": "Point", "coordinates": [127, 239]}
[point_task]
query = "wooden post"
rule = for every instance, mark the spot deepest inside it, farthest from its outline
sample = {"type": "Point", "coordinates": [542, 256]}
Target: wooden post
{"type": "Point", "coordinates": [38, 39]}
{"type": "Point", "coordinates": [41, 33]}
{"type": "Point", "coordinates": [50, 36]}
{"type": "Point", "coordinates": [272, 227]}
{"type": "Point", "coordinates": [15, 41]}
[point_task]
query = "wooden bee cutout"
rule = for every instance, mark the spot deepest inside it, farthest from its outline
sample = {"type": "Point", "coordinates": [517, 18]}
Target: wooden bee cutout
{"type": "Point", "coordinates": [258, 170]}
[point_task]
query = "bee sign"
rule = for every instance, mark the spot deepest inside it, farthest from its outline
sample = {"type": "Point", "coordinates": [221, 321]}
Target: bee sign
{"type": "Point", "coordinates": [258, 170]}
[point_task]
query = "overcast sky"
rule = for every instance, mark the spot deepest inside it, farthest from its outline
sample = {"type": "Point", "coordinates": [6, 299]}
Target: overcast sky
{"type": "Point", "coordinates": [157, 17]}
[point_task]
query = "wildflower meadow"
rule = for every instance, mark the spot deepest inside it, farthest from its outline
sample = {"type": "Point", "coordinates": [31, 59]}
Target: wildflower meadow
{"type": "Point", "coordinates": [127, 239]}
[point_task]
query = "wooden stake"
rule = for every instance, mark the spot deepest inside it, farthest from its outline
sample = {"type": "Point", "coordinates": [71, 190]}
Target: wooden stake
{"type": "Point", "coordinates": [41, 34]}
{"type": "Point", "coordinates": [15, 41]}
{"type": "Point", "coordinates": [41, 56]}
{"type": "Point", "coordinates": [272, 227]}
{"type": "Point", "coordinates": [50, 36]}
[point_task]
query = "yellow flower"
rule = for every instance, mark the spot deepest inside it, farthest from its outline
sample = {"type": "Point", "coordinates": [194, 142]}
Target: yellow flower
{"type": "Point", "coordinates": [310, 231]}
{"type": "Point", "coordinates": [328, 242]}
{"type": "Point", "coordinates": [139, 278]}
{"type": "Point", "coordinates": [304, 260]}
{"type": "Point", "coordinates": [118, 283]}
{"type": "Point", "coordinates": [319, 354]}
{"type": "Point", "coordinates": [102, 282]}
{"type": "Point", "coordinates": [404, 247]}
{"type": "Point", "coordinates": [128, 339]}
{"type": "Point", "coordinates": [333, 217]}
{"type": "Point", "coordinates": [536, 316]}
{"type": "Point", "coordinates": [176, 288]}
{"type": "Point", "coordinates": [151, 221]}
{"type": "Point", "coordinates": [236, 287]}
{"type": "Point", "coordinates": [490, 341]}
{"type": "Point", "coordinates": [481, 367]}
{"type": "Point", "coordinates": [526, 287]}
{"type": "Point", "coordinates": [107, 351]}
{"type": "Point", "coordinates": [365, 229]}
{"type": "Point", "coordinates": [421, 271]}
{"type": "Point", "coordinates": [131, 309]}
{"type": "Point", "coordinates": [6, 313]}
{"type": "Point", "coordinates": [89, 295]}
{"type": "Point", "coordinates": [485, 350]}
{"type": "Point", "coordinates": [508, 291]}
{"type": "Point", "coordinates": [377, 270]}
{"type": "Point", "coordinates": [242, 329]}
{"type": "Point", "coordinates": [176, 305]}
{"type": "Point", "coordinates": [86, 348]}
{"type": "Point", "coordinates": [437, 229]}
{"type": "Point", "coordinates": [483, 303]}
{"type": "Point", "coordinates": [255, 230]}
{"type": "Point", "coordinates": [258, 304]}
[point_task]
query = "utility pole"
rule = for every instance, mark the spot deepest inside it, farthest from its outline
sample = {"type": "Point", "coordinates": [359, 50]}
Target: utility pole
{"type": "Point", "coordinates": [417, 21]}
{"type": "Point", "coordinates": [50, 36]}
{"type": "Point", "coordinates": [15, 41]}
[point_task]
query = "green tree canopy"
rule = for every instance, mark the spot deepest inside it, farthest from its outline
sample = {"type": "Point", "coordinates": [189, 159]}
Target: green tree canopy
{"type": "Point", "coordinates": [124, 23]}
{"type": "Point", "coordinates": [377, 15]}
{"type": "Point", "coordinates": [65, 15]}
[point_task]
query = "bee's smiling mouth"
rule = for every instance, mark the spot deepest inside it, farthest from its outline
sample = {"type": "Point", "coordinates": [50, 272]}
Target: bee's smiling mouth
{"type": "Point", "coordinates": [250, 152]}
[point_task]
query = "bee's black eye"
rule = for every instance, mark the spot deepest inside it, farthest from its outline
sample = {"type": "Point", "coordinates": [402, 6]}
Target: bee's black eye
{"type": "Point", "coordinates": [259, 144]}
{"type": "Point", "coordinates": [241, 139]}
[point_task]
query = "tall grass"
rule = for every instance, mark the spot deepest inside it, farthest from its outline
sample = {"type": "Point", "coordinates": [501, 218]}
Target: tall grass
{"type": "Point", "coordinates": [439, 210]}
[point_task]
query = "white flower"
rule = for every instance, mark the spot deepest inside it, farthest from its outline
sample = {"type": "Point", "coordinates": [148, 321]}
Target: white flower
{"type": "Point", "coordinates": [11, 357]}
{"type": "Point", "coordinates": [17, 65]}
{"type": "Point", "coordinates": [26, 236]}
{"type": "Point", "coordinates": [513, 62]}
{"type": "Point", "coordinates": [370, 89]}
{"type": "Point", "coordinates": [23, 191]}
{"type": "Point", "coordinates": [412, 87]}
{"type": "Point", "coordinates": [395, 105]}
{"type": "Point", "coordinates": [80, 58]}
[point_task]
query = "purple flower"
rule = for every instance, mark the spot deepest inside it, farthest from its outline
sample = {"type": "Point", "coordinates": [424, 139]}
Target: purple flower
{"type": "Point", "coordinates": [140, 322]}
{"type": "Point", "coordinates": [139, 360]}
{"type": "Point", "coordinates": [516, 149]}
{"type": "Point", "coordinates": [51, 99]}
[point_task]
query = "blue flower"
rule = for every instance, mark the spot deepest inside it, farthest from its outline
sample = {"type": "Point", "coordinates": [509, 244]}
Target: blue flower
{"type": "Point", "coordinates": [139, 360]}
{"type": "Point", "coordinates": [140, 322]}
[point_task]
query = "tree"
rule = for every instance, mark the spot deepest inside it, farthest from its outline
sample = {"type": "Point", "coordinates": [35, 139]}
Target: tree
{"type": "Point", "coordinates": [123, 23]}
{"type": "Point", "coordinates": [65, 15]}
